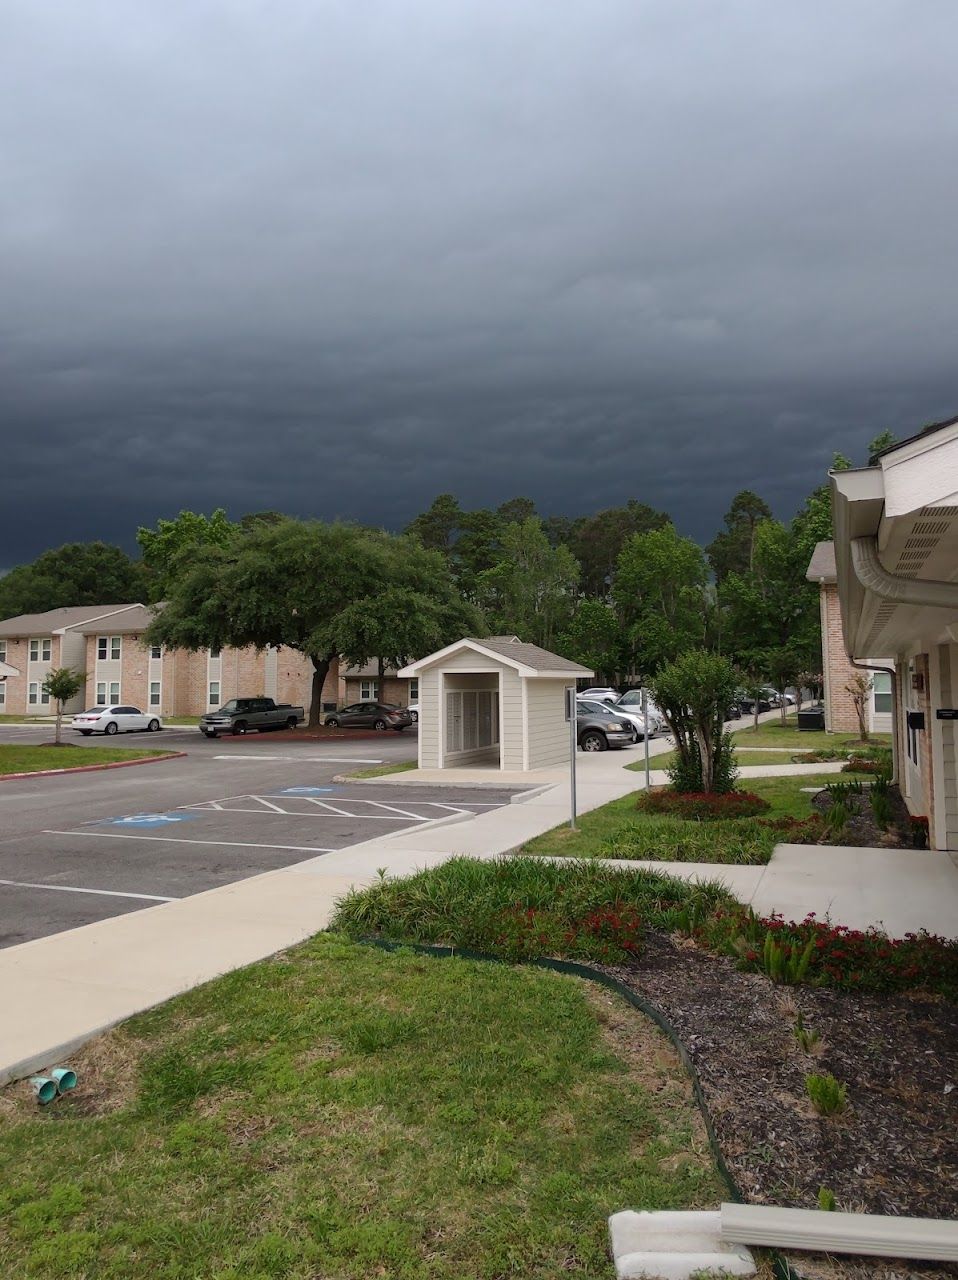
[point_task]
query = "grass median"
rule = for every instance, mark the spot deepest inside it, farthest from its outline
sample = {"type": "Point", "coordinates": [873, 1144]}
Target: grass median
{"type": "Point", "coordinates": [620, 830]}
{"type": "Point", "coordinates": [342, 1111]}
{"type": "Point", "coordinates": [17, 759]}
{"type": "Point", "coordinates": [772, 733]}
{"type": "Point", "coordinates": [381, 770]}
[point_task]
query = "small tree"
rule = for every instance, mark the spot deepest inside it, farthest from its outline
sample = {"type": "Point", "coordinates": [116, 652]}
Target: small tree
{"type": "Point", "coordinates": [859, 688]}
{"type": "Point", "coordinates": [753, 686]}
{"type": "Point", "coordinates": [62, 684]}
{"type": "Point", "coordinates": [694, 692]}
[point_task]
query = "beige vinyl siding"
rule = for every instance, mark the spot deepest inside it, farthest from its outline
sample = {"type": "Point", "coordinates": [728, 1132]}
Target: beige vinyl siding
{"type": "Point", "coordinates": [548, 727]}
{"type": "Point", "coordinates": [948, 659]}
{"type": "Point", "coordinates": [468, 660]}
{"type": "Point", "coordinates": [429, 711]}
{"type": "Point", "coordinates": [73, 655]}
{"type": "Point", "coordinates": [510, 719]}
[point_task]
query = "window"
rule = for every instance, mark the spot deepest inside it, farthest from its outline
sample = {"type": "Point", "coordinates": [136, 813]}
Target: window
{"type": "Point", "coordinates": [154, 693]}
{"type": "Point", "coordinates": [3, 693]}
{"type": "Point", "coordinates": [214, 698]}
{"type": "Point", "coordinates": [368, 690]}
{"type": "Point", "coordinates": [881, 685]}
{"type": "Point", "coordinates": [114, 691]}
{"type": "Point", "coordinates": [114, 647]}
{"type": "Point", "coordinates": [413, 690]}
{"type": "Point", "coordinates": [101, 694]}
{"type": "Point", "coordinates": [156, 651]}
{"type": "Point", "coordinates": [101, 648]}
{"type": "Point", "coordinates": [215, 652]}
{"type": "Point", "coordinates": [107, 647]}
{"type": "Point", "coordinates": [40, 650]}
{"type": "Point", "coordinates": [3, 650]}
{"type": "Point", "coordinates": [37, 695]}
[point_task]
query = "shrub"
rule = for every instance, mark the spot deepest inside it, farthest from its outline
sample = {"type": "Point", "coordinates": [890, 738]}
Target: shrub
{"type": "Point", "coordinates": [882, 808]}
{"type": "Point", "coordinates": [826, 1200]}
{"type": "Point", "coordinates": [525, 908]}
{"type": "Point", "coordinates": [848, 959]}
{"type": "Point", "coordinates": [786, 962]}
{"type": "Point", "coordinates": [739, 842]}
{"type": "Point", "coordinates": [918, 827]}
{"type": "Point", "coordinates": [836, 819]}
{"type": "Point", "coordinates": [702, 806]}
{"type": "Point", "coordinates": [808, 1039]}
{"type": "Point", "coordinates": [829, 1097]}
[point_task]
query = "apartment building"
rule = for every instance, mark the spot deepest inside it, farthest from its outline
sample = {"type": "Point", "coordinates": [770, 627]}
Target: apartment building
{"type": "Point", "coordinates": [106, 643]}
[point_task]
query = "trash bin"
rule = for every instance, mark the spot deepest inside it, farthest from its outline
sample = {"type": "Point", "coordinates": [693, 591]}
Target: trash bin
{"type": "Point", "coordinates": [813, 718]}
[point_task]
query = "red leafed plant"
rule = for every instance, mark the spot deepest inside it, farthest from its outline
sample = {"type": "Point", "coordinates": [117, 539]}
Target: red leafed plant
{"type": "Point", "coordinates": [702, 806]}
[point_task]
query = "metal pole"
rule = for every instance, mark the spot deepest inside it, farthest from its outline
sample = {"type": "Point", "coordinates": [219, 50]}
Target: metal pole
{"type": "Point", "coordinates": [573, 747]}
{"type": "Point", "coordinates": [645, 717]}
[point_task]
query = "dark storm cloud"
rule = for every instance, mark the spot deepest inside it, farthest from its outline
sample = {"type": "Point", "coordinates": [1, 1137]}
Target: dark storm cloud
{"type": "Point", "coordinates": [335, 258]}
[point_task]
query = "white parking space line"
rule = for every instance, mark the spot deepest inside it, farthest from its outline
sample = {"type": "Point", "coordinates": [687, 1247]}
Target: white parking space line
{"type": "Point", "coordinates": [300, 758]}
{"type": "Point", "coordinates": [220, 844]}
{"type": "Point", "coordinates": [105, 893]}
{"type": "Point", "coordinates": [298, 813]}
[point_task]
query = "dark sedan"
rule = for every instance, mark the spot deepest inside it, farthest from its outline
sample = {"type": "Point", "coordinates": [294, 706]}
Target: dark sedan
{"type": "Point", "coordinates": [371, 715]}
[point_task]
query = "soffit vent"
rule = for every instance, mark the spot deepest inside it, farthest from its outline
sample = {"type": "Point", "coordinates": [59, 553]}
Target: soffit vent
{"type": "Point", "coordinates": [882, 617]}
{"type": "Point", "coordinates": [939, 512]}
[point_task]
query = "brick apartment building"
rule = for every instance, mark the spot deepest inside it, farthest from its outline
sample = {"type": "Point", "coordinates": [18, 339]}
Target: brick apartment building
{"type": "Point", "coordinates": [837, 670]}
{"type": "Point", "coordinates": [106, 642]}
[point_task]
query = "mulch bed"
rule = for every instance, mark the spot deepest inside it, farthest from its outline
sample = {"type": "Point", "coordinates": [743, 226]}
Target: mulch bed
{"type": "Point", "coordinates": [895, 1148]}
{"type": "Point", "coordinates": [861, 828]}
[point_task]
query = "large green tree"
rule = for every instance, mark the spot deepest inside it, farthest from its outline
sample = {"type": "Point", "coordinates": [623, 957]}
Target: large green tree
{"type": "Point", "coordinates": [169, 548]}
{"type": "Point", "coordinates": [531, 591]}
{"type": "Point", "coordinates": [596, 542]}
{"type": "Point", "coordinates": [660, 596]}
{"type": "Point", "coordinates": [75, 574]}
{"type": "Point", "coordinates": [593, 637]}
{"type": "Point", "coordinates": [731, 550]}
{"type": "Point", "coordinates": [294, 584]}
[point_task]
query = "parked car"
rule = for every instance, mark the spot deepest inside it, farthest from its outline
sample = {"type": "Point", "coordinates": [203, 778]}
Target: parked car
{"type": "Point", "coordinates": [598, 727]}
{"type": "Point", "coordinates": [239, 715]}
{"type": "Point", "coordinates": [372, 715]}
{"type": "Point", "coordinates": [112, 720]}
{"type": "Point", "coordinates": [657, 721]}
{"type": "Point", "coordinates": [746, 703]}
{"type": "Point", "coordinates": [632, 714]}
{"type": "Point", "coordinates": [600, 695]}
{"type": "Point", "coordinates": [413, 710]}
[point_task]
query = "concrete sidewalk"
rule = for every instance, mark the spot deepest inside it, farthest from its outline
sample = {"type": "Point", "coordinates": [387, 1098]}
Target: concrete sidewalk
{"type": "Point", "coordinates": [58, 991]}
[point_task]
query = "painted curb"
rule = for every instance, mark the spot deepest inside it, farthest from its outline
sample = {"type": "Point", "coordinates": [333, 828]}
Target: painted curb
{"type": "Point", "coordinates": [92, 768]}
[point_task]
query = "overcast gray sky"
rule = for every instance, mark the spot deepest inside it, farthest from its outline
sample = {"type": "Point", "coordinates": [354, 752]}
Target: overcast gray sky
{"type": "Point", "coordinates": [335, 257]}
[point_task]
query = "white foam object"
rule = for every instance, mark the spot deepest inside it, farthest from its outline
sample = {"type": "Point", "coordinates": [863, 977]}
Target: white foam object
{"type": "Point", "coordinates": [674, 1246]}
{"type": "Point", "coordinates": [874, 1234]}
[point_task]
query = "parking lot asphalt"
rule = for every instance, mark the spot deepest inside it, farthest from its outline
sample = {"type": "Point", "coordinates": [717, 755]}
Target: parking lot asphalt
{"type": "Point", "coordinates": [75, 849]}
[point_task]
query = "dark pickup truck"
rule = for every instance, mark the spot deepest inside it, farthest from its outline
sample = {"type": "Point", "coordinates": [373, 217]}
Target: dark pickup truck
{"type": "Point", "coordinates": [239, 715]}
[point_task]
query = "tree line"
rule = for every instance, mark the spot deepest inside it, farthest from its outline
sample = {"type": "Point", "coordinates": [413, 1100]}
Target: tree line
{"type": "Point", "coordinates": [621, 591]}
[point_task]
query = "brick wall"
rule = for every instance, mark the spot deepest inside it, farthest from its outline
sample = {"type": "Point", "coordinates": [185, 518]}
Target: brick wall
{"type": "Point", "coordinates": [840, 714]}
{"type": "Point", "coordinates": [393, 690]}
{"type": "Point", "coordinates": [16, 686]}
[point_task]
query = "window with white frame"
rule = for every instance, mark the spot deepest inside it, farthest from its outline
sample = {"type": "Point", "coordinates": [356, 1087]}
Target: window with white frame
{"type": "Point", "coordinates": [414, 690]}
{"type": "Point", "coordinates": [156, 651]}
{"type": "Point", "coordinates": [40, 650]}
{"type": "Point", "coordinates": [3, 650]}
{"type": "Point", "coordinates": [107, 647]}
{"type": "Point", "coordinates": [3, 693]}
{"type": "Point", "coordinates": [215, 652]}
{"type": "Point", "coordinates": [368, 690]}
{"type": "Point", "coordinates": [154, 693]}
{"type": "Point", "coordinates": [214, 698]}
{"type": "Point", "coordinates": [114, 648]}
{"type": "Point", "coordinates": [881, 689]}
{"type": "Point", "coordinates": [37, 695]}
{"type": "Point", "coordinates": [101, 694]}
{"type": "Point", "coordinates": [114, 691]}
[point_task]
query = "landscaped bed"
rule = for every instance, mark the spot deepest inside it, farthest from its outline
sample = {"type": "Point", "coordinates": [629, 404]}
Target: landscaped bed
{"type": "Point", "coordinates": [344, 1112]}
{"type": "Point", "coordinates": [68, 755]}
{"type": "Point", "coordinates": [879, 1017]}
{"type": "Point", "coordinates": [621, 830]}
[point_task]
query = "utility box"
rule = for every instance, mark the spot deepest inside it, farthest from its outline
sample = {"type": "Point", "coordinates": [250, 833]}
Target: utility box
{"type": "Point", "coordinates": [813, 718]}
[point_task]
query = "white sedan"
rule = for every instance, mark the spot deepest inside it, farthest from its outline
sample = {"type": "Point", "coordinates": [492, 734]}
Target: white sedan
{"type": "Point", "coordinates": [413, 710]}
{"type": "Point", "coordinates": [110, 720]}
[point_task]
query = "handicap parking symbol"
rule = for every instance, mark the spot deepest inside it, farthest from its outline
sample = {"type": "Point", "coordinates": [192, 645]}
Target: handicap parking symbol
{"type": "Point", "coordinates": [148, 819]}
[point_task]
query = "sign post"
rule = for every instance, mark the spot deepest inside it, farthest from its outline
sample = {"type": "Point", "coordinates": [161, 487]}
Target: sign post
{"type": "Point", "coordinates": [645, 717]}
{"type": "Point", "coordinates": [570, 715]}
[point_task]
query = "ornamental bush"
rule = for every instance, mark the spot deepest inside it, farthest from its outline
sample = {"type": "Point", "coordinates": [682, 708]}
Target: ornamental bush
{"type": "Point", "coordinates": [702, 806]}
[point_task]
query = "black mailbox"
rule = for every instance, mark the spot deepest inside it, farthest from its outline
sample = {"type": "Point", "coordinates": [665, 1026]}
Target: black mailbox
{"type": "Point", "coordinates": [916, 720]}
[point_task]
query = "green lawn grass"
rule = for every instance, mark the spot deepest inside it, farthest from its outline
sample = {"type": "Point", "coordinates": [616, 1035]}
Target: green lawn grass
{"type": "Point", "coordinates": [347, 1113]}
{"type": "Point", "coordinates": [619, 830]}
{"type": "Point", "coordinates": [741, 757]}
{"type": "Point", "coordinates": [17, 759]}
{"type": "Point", "coordinates": [181, 720]}
{"type": "Point", "coordinates": [5, 719]}
{"type": "Point", "coordinates": [772, 733]}
{"type": "Point", "coordinates": [380, 770]}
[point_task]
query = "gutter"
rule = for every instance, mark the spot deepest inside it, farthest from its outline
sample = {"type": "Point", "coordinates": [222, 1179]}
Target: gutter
{"type": "Point", "coordinates": [874, 577]}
